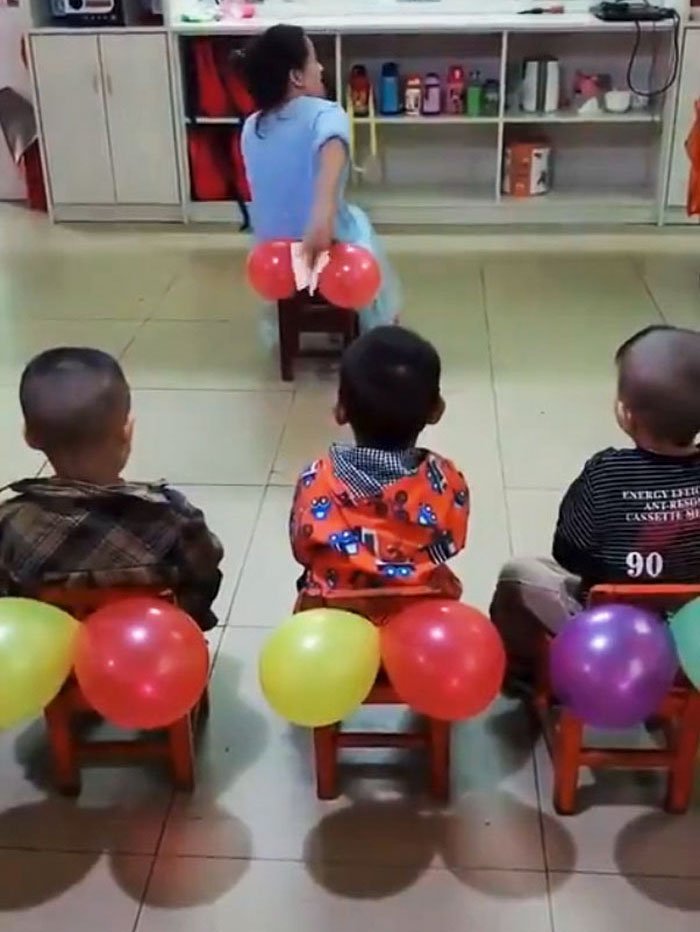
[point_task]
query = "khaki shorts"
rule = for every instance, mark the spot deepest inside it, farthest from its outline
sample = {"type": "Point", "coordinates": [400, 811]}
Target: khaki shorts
{"type": "Point", "coordinates": [531, 594]}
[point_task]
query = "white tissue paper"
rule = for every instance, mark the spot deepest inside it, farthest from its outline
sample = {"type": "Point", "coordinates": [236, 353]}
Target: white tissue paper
{"type": "Point", "coordinates": [306, 276]}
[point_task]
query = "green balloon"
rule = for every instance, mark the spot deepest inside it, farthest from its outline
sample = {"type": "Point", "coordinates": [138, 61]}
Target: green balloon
{"type": "Point", "coordinates": [685, 628]}
{"type": "Point", "coordinates": [37, 647]}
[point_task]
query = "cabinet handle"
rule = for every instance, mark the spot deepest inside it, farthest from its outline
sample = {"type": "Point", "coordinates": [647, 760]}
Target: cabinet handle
{"type": "Point", "coordinates": [108, 82]}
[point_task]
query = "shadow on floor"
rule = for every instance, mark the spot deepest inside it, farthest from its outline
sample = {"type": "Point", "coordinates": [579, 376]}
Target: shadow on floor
{"type": "Point", "coordinates": [372, 849]}
{"type": "Point", "coordinates": [181, 882]}
{"type": "Point", "coordinates": [672, 879]}
{"type": "Point", "coordinates": [29, 878]}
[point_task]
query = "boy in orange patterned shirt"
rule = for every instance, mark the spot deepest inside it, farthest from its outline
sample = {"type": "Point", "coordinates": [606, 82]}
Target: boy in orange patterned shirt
{"type": "Point", "coordinates": [382, 514]}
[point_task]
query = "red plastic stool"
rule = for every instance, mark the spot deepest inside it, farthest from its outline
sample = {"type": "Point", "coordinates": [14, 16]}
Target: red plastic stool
{"type": "Point", "coordinates": [434, 735]}
{"type": "Point", "coordinates": [679, 715]}
{"type": "Point", "coordinates": [434, 739]}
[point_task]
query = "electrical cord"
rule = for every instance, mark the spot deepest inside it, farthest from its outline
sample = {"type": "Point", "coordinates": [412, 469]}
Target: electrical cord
{"type": "Point", "coordinates": [676, 59]}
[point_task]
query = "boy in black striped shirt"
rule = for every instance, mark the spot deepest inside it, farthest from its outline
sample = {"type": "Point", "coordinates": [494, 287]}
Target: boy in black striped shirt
{"type": "Point", "coordinates": [632, 514]}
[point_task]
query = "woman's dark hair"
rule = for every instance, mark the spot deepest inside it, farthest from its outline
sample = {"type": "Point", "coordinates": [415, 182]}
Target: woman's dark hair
{"type": "Point", "coordinates": [268, 61]}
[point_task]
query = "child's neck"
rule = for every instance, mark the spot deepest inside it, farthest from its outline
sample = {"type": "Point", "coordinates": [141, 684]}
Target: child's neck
{"type": "Point", "coordinates": [373, 445]}
{"type": "Point", "coordinates": [668, 449]}
{"type": "Point", "coordinates": [92, 473]}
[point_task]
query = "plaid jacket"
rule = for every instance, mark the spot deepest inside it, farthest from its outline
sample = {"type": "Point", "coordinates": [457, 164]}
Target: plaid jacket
{"type": "Point", "coordinates": [59, 532]}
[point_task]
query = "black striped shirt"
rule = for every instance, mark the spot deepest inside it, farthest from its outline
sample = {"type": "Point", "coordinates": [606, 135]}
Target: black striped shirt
{"type": "Point", "coordinates": [632, 515]}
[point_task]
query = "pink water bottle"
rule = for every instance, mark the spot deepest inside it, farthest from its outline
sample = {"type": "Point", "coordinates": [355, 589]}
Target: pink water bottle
{"type": "Point", "coordinates": [454, 98]}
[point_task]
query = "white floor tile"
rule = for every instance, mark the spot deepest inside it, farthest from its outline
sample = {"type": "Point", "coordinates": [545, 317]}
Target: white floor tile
{"type": "Point", "coordinates": [22, 339]}
{"type": "Point", "coordinates": [608, 904]}
{"type": "Point", "coordinates": [219, 355]}
{"type": "Point", "coordinates": [207, 438]}
{"type": "Point", "coordinates": [231, 513]}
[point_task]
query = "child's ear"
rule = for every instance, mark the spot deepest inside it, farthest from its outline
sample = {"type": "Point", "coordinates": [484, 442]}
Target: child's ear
{"type": "Point", "coordinates": [438, 411]}
{"type": "Point", "coordinates": [623, 417]}
{"type": "Point", "coordinates": [340, 414]}
{"type": "Point", "coordinates": [129, 430]}
{"type": "Point", "coordinates": [29, 440]}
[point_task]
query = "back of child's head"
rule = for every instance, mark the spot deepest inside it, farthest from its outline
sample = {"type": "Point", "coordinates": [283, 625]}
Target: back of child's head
{"type": "Point", "coordinates": [269, 60]}
{"type": "Point", "coordinates": [389, 387]}
{"type": "Point", "coordinates": [659, 383]}
{"type": "Point", "coordinates": [75, 400]}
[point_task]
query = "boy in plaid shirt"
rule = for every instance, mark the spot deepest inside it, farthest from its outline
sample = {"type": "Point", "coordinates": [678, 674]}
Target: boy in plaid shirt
{"type": "Point", "coordinates": [383, 513]}
{"type": "Point", "coordinates": [86, 526]}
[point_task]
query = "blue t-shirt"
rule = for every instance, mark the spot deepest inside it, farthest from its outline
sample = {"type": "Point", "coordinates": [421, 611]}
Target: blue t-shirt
{"type": "Point", "coordinates": [281, 152]}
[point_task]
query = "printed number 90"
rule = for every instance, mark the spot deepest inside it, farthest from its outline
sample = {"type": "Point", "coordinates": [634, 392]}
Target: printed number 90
{"type": "Point", "coordinates": [639, 565]}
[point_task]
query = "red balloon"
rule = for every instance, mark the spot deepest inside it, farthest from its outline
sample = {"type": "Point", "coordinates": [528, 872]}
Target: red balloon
{"type": "Point", "coordinates": [443, 658]}
{"type": "Point", "coordinates": [141, 663]}
{"type": "Point", "coordinates": [270, 270]}
{"type": "Point", "coordinates": [352, 277]}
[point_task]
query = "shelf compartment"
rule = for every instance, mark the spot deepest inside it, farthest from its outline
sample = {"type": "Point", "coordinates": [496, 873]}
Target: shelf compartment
{"type": "Point", "coordinates": [605, 54]}
{"type": "Point", "coordinates": [614, 164]}
{"type": "Point", "coordinates": [420, 55]}
{"type": "Point", "coordinates": [446, 158]}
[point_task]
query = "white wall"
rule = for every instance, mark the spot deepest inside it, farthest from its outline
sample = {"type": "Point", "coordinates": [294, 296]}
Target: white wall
{"type": "Point", "coordinates": [13, 21]}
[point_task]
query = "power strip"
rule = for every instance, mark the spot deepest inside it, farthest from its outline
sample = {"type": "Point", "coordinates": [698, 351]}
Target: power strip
{"type": "Point", "coordinates": [621, 11]}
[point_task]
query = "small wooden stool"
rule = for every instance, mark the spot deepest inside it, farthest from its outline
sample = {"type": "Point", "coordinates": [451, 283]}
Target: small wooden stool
{"type": "Point", "coordinates": [69, 750]}
{"type": "Point", "coordinates": [433, 736]}
{"type": "Point", "coordinates": [679, 715]}
{"type": "Point", "coordinates": [305, 314]}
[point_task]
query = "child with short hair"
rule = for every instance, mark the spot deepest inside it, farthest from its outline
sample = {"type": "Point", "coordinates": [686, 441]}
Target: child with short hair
{"type": "Point", "coordinates": [633, 514]}
{"type": "Point", "coordinates": [86, 526]}
{"type": "Point", "coordinates": [382, 514]}
{"type": "Point", "coordinates": [296, 153]}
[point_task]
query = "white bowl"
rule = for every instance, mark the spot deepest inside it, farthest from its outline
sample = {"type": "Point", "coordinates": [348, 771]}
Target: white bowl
{"type": "Point", "coordinates": [618, 101]}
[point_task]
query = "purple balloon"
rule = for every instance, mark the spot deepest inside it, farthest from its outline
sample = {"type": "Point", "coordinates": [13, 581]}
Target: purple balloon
{"type": "Point", "coordinates": [612, 665]}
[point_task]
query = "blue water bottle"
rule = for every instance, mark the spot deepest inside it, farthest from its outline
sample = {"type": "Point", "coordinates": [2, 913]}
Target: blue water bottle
{"type": "Point", "coordinates": [390, 89]}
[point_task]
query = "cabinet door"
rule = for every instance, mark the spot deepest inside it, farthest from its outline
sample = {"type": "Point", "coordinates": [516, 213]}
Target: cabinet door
{"type": "Point", "coordinates": [73, 119]}
{"type": "Point", "coordinates": [139, 112]}
{"type": "Point", "coordinates": [688, 93]}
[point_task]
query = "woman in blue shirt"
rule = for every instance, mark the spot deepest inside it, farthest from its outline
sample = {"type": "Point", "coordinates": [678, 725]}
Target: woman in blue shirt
{"type": "Point", "coordinates": [295, 150]}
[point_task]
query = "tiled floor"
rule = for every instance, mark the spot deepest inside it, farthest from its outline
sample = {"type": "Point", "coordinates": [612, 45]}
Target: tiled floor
{"type": "Point", "coordinates": [526, 327]}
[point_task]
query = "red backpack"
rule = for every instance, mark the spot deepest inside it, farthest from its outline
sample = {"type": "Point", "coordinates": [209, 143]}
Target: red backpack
{"type": "Point", "coordinates": [215, 87]}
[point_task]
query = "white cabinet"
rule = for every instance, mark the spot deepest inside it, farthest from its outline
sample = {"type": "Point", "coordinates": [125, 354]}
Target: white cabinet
{"type": "Point", "coordinates": [688, 93]}
{"type": "Point", "coordinates": [140, 118]}
{"type": "Point", "coordinates": [106, 118]}
{"type": "Point", "coordinates": [73, 118]}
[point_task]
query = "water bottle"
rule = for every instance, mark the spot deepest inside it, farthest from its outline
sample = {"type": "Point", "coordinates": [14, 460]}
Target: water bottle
{"type": "Point", "coordinates": [390, 89]}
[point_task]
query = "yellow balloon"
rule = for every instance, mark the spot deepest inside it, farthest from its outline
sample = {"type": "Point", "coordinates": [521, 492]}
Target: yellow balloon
{"type": "Point", "coordinates": [318, 666]}
{"type": "Point", "coordinates": [37, 647]}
